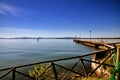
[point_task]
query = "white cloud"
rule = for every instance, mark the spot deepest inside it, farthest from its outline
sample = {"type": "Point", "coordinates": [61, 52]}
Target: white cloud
{"type": "Point", "coordinates": [6, 9]}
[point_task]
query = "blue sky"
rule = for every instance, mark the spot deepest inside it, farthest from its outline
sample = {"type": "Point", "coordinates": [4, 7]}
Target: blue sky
{"type": "Point", "coordinates": [59, 18]}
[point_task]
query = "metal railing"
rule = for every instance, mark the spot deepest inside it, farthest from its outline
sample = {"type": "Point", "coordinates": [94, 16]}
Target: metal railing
{"type": "Point", "coordinates": [80, 63]}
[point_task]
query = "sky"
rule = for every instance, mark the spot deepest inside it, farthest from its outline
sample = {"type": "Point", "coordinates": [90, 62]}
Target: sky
{"type": "Point", "coordinates": [59, 18]}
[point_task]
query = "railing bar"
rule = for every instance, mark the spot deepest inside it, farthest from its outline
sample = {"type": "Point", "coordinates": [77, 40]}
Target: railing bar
{"type": "Point", "coordinates": [25, 75]}
{"type": "Point", "coordinates": [60, 59]}
{"type": "Point", "coordinates": [84, 68]}
{"type": "Point", "coordinates": [55, 60]}
{"type": "Point", "coordinates": [3, 75]}
{"type": "Point", "coordinates": [69, 69]}
{"type": "Point", "coordinates": [54, 71]}
{"type": "Point", "coordinates": [5, 69]}
{"type": "Point", "coordinates": [44, 70]}
{"type": "Point", "coordinates": [100, 64]}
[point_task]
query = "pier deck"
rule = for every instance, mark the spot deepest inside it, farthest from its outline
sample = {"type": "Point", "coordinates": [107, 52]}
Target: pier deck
{"type": "Point", "coordinates": [92, 43]}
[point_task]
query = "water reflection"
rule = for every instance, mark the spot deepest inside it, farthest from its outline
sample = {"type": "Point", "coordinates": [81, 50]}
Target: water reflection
{"type": "Point", "coordinates": [23, 51]}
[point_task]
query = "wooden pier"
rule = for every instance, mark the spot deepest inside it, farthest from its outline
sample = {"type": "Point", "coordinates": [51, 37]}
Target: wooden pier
{"type": "Point", "coordinates": [94, 43]}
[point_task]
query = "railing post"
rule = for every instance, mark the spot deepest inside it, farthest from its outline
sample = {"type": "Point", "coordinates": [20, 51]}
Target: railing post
{"type": "Point", "coordinates": [118, 59]}
{"type": "Point", "coordinates": [13, 74]}
{"type": "Point", "coordinates": [54, 71]}
{"type": "Point", "coordinates": [118, 54]}
{"type": "Point", "coordinates": [84, 68]}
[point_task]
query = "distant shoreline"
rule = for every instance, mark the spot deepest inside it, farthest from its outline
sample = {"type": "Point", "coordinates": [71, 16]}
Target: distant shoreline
{"type": "Point", "coordinates": [62, 38]}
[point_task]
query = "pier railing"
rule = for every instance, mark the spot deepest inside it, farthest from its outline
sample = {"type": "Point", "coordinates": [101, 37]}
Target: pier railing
{"type": "Point", "coordinates": [78, 68]}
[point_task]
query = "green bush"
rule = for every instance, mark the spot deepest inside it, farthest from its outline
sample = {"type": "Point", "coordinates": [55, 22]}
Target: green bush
{"type": "Point", "coordinates": [40, 72]}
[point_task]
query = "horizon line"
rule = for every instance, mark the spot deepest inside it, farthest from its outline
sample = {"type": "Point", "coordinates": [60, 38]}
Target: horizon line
{"type": "Point", "coordinates": [60, 37]}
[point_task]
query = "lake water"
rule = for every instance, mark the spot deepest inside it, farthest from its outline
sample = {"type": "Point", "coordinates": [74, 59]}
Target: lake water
{"type": "Point", "coordinates": [14, 52]}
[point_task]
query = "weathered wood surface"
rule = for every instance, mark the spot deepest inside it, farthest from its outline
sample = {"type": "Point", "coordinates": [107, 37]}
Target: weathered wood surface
{"type": "Point", "coordinates": [91, 42]}
{"type": "Point", "coordinates": [95, 43]}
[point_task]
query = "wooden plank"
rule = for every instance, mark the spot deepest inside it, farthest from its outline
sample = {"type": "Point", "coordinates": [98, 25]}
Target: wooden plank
{"type": "Point", "coordinates": [6, 73]}
{"type": "Point", "coordinates": [54, 71]}
{"type": "Point", "coordinates": [13, 74]}
{"type": "Point", "coordinates": [84, 68]}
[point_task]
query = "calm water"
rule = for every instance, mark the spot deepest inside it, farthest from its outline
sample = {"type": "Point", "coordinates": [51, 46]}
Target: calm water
{"type": "Point", "coordinates": [15, 52]}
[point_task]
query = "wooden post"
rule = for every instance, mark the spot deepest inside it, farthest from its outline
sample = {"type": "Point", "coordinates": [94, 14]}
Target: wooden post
{"type": "Point", "coordinates": [117, 58]}
{"type": "Point", "coordinates": [54, 71]}
{"type": "Point", "coordinates": [118, 54]}
{"type": "Point", "coordinates": [13, 74]}
{"type": "Point", "coordinates": [84, 68]}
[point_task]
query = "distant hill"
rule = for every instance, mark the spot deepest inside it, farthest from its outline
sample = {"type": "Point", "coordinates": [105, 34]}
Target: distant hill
{"type": "Point", "coordinates": [61, 38]}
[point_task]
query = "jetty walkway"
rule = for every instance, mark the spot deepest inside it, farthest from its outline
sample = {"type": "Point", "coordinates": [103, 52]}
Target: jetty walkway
{"type": "Point", "coordinates": [95, 43]}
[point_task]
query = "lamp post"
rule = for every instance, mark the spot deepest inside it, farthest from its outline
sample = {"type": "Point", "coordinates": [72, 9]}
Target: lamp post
{"type": "Point", "coordinates": [90, 38]}
{"type": "Point", "coordinates": [90, 35]}
{"type": "Point", "coordinates": [80, 36]}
